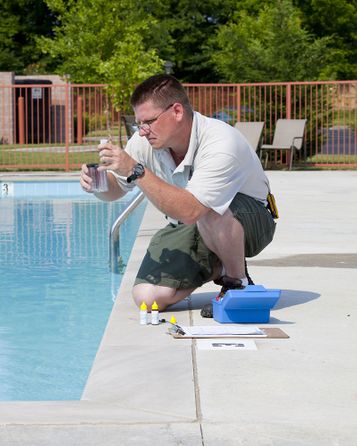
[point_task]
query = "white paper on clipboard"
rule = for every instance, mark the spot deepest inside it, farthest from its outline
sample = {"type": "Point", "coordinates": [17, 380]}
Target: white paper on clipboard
{"type": "Point", "coordinates": [215, 331]}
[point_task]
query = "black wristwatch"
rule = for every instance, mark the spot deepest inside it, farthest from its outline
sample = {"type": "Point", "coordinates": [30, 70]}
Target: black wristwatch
{"type": "Point", "coordinates": [138, 171]}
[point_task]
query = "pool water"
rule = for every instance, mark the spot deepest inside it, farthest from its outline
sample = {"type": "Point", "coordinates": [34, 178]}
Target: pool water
{"type": "Point", "coordinates": [56, 291]}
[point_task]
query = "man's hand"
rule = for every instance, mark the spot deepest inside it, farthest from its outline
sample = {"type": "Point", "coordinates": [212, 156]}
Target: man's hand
{"type": "Point", "coordinates": [114, 158]}
{"type": "Point", "coordinates": [85, 180]}
{"type": "Point", "coordinates": [114, 192]}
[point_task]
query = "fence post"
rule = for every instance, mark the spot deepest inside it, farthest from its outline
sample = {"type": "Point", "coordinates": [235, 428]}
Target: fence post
{"type": "Point", "coordinates": [288, 116]}
{"type": "Point", "coordinates": [238, 103]}
{"type": "Point", "coordinates": [288, 101]}
{"type": "Point", "coordinates": [21, 110]}
{"type": "Point", "coordinates": [67, 118]}
{"type": "Point", "coordinates": [79, 120]}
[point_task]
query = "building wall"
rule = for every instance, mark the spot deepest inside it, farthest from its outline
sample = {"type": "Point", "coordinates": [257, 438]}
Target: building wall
{"type": "Point", "coordinates": [6, 108]}
{"type": "Point", "coordinates": [55, 130]}
{"type": "Point", "coordinates": [57, 81]}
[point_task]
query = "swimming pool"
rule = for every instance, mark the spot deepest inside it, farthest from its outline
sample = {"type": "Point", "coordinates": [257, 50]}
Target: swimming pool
{"type": "Point", "coordinates": [56, 286]}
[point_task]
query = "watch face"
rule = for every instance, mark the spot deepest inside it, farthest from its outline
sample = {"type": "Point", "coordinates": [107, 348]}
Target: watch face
{"type": "Point", "coordinates": [138, 170]}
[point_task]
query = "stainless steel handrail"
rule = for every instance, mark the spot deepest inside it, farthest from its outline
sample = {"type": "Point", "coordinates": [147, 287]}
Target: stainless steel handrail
{"type": "Point", "coordinates": [114, 245]}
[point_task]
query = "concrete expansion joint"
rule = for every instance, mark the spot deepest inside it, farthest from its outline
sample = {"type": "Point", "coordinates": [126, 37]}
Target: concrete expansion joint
{"type": "Point", "coordinates": [195, 368]}
{"type": "Point", "coordinates": [101, 423]}
{"type": "Point", "coordinates": [195, 375]}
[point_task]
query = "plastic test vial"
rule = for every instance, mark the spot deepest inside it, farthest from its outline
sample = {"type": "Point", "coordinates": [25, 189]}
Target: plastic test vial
{"type": "Point", "coordinates": [99, 178]}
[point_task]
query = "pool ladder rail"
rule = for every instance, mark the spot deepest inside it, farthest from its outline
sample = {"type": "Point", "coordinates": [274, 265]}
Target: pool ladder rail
{"type": "Point", "coordinates": [114, 236]}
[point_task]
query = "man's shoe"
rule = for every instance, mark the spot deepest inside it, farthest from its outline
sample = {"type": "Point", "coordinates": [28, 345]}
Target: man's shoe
{"type": "Point", "coordinates": [207, 310]}
{"type": "Point", "coordinates": [228, 283]}
{"type": "Point", "coordinates": [250, 280]}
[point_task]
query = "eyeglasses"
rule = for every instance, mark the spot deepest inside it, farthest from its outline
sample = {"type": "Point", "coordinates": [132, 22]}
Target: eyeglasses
{"type": "Point", "coordinates": [146, 125]}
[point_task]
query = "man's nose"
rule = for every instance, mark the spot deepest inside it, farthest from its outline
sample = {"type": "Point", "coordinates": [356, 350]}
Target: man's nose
{"type": "Point", "coordinates": [143, 131]}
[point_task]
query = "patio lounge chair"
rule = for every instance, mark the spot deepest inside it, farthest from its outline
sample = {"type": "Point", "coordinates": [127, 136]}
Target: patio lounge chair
{"type": "Point", "coordinates": [252, 131]}
{"type": "Point", "coordinates": [289, 136]}
{"type": "Point", "coordinates": [130, 125]}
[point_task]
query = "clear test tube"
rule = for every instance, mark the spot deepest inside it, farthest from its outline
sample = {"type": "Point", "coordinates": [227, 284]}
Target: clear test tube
{"type": "Point", "coordinates": [99, 178]}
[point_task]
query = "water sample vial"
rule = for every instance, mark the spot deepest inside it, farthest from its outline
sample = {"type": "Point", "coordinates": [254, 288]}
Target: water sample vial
{"type": "Point", "coordinates": [99, 178]}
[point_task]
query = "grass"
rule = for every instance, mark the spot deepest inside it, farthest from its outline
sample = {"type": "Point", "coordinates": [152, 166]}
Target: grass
{"type": "Point", "coordinates": [41, 160]}
{"type": "Point", "coordinates": [332, 159]}
{"type": "Point", "coordinates": [37, 157]}
{"type": "Point", "coordinates": [53, 157]}
{"type": "Point", "coordinates": [105, 133]}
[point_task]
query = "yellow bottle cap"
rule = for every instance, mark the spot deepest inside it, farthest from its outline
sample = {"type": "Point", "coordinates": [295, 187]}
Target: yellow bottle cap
{"type": "Point", "coordinates": [173, 320]}
{"type": "Point", "coordinates": [154, 306]}
{"type": "Point", "coordinates": [143, 306]}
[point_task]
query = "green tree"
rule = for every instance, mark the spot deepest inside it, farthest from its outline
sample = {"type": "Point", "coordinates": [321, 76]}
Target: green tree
{"type": "Point", "coordinates": [338, 19]}
{"type": "Point", "coordinates": [21, 21]}
{"type": "Point", "coordinates": [103, 42]}
{"type": "Point", "coordinates": [189, 25]}
{"type": "Point", "coordinates": [270, 46]}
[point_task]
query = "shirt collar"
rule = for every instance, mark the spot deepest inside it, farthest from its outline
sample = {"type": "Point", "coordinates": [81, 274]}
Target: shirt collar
{"type": "Point", "coordinates": [192, 146]}
{"type": "Point", "coordinates": [165, 154]}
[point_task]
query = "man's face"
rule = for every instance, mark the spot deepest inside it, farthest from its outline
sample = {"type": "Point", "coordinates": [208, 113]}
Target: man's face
{"type": "Point", "coordinates": [155, 124]}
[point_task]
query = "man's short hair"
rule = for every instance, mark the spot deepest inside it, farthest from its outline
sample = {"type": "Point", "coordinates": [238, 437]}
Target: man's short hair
{"type": "Point", "coordinates": [163, 90]}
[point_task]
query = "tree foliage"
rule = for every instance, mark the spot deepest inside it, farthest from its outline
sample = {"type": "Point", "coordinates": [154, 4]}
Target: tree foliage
{"type": "Point", "coordinates": [103, 42]}
{"type": "Point", "coordinates": [21, 21]}
{"type": "Point", "coordinates": [122, 41]}
{"type": "Point", "coordinates": [270, 46]}
{"type": "Point", "coordinates": [338, 19]}
{"type": "Point", "coordinates": [190, 24]}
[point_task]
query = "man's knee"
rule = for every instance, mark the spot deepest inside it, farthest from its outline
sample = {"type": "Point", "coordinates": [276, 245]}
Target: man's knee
{"type": "Point", "coordinates": [143, 292]}
{"type": "Point", "coordinates": [148, 293]}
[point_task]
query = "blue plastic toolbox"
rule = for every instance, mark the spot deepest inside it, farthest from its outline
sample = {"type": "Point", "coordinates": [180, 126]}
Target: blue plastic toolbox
{"type": "Point", "coordinates": [249, 305]}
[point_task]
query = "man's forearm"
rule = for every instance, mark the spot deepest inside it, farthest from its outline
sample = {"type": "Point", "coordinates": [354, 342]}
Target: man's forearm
{"type": "Point", "coordinates": [173, 201]}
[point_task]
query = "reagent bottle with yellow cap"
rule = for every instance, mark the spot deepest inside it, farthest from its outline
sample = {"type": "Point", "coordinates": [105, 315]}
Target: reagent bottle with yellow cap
{"type": "Point", "coordinates": [143, 314]}
{"type": "Point", "coordinates": [154, 313]}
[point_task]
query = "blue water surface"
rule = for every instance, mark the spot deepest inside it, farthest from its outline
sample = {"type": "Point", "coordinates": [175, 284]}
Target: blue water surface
{"type": "Point", "coordinates": [57, 290]}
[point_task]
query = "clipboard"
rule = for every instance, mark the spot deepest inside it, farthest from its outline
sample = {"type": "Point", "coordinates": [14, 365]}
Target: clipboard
{"type": "Point", "coordinates": [268, 333]}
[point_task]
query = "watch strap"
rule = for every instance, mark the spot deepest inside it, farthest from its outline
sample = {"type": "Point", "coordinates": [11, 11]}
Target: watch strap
{"type": "Point", "coordinates": [138, 171]}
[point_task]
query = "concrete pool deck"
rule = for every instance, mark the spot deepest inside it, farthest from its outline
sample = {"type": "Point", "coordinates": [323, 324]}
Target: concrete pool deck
{"type": "Point", "coordinates": [146, 387]}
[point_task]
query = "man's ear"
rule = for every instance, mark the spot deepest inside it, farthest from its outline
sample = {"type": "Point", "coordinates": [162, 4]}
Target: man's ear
{"type": "Point", "coordinates": [179, 111]}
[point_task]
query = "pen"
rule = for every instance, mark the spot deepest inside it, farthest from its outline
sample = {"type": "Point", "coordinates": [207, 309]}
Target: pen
{"type": "Point", "coordinates": [177, 329]}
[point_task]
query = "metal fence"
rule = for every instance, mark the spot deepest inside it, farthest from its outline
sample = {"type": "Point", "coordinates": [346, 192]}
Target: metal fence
{"type": "Point", "coordinates": [47, 126]}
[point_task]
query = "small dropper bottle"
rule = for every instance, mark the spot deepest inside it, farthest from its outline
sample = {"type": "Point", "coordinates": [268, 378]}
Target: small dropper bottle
{"type": "Point", "coordinates": [143, 313]}
{"type": "Point", "coordinates": [154, 313]}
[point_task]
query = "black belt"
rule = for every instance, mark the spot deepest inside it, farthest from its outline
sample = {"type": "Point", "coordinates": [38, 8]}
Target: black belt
{"type": "Point", "coordinates": [175, 225]}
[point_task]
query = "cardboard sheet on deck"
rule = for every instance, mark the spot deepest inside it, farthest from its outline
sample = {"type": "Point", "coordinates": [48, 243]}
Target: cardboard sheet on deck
{"type": "Point", "coordinates": [271, 333]}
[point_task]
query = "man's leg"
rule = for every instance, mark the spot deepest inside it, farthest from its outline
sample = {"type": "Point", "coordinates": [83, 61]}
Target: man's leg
{"type": "Point", "coordinates": [163, 295]}
{"type": "Point", "coordinates": [244, 230]}
{"type": "Point", "coordinates": [176, 263]}
{"type": "Point", "coordinates": [224, 235]}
